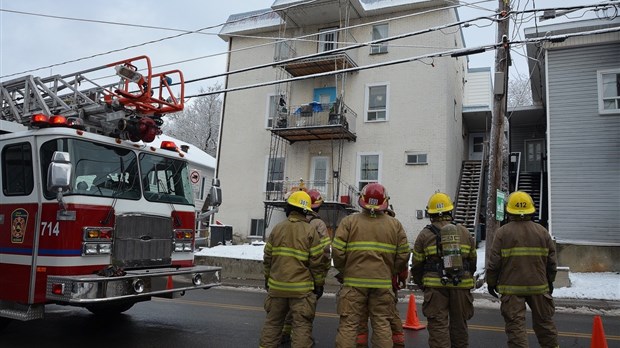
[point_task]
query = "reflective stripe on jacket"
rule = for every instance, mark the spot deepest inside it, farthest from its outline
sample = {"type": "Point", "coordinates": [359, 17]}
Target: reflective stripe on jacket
{"type": "Point", "coordinates": [522, 260]}
{"type": "Point", "coordinates": [425, 252]}
{"type": "Point", "coordinates": [293, 258]}
{"type": "Point", "coordinates": [369, 250]}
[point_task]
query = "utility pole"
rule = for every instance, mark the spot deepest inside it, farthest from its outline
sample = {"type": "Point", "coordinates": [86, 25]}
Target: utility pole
{"type": "Point", "coordinates": [500, 91]}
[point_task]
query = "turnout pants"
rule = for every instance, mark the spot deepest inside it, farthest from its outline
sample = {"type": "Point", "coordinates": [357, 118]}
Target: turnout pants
{"type": "Point", "coordinates": [447, 312]}
{"type": "Point", "coordinates": [542, 306]}
{"type": "Point", "coordinates": [396, 325]}
{"type": "Point", "coordinates": [353, 303]}
{"type": "Point", "coordinates": [302, 310]}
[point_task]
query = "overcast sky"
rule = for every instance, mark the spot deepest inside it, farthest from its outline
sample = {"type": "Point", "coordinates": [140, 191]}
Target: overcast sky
{"type": "Point", "coordinates": [29, 42]}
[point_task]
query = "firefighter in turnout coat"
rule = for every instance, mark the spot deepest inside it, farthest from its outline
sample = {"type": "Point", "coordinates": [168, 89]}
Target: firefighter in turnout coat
{"type": "Point", "coordinates": [368, 249]}
{"type": "Point", "coordinates": [448, 301]}
{"type": "Point", "coordinates": [316, 200]}
{"type": "Point", "coordinates": [294, 264]}
{"type": "Point", "coordinates": [522, 268]}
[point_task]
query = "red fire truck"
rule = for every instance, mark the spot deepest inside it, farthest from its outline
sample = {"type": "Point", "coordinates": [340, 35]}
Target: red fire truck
{"type": "Point", "coordinates": [91, 215]}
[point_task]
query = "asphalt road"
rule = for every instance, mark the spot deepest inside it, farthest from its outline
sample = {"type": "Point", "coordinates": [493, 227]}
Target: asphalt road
{"type": "Point", "coordinates": [232, 317]}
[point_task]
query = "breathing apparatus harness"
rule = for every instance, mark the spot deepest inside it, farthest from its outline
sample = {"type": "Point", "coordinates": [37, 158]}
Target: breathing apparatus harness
{"type": "Point", "coordinates": [451, 267]}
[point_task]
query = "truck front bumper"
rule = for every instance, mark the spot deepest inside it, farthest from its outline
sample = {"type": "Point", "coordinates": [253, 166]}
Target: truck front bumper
{"type": "Point", "coordinates": [138, 285]}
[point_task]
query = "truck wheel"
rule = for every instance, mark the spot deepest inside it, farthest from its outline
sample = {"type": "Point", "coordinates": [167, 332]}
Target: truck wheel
{"type": "Point", "coordinates": [110, 309]}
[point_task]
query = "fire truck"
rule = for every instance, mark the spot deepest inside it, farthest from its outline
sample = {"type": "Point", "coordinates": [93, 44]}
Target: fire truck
{"type": "Point", "coordinates": [91, 215]}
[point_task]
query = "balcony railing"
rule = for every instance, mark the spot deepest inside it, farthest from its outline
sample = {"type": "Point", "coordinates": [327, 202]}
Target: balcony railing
{"type": "Point", "coordinates": [332, 192]}
{"type": "Point", "coordinates": [315, 121]}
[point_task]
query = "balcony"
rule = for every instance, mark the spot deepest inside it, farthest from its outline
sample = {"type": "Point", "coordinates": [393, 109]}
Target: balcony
{"type": "Point", "coordinates": [314, 121]}
{"type": "Point", "coordinates": [333, 192]}
{"type": "Point", "coordinates": [320, 59]}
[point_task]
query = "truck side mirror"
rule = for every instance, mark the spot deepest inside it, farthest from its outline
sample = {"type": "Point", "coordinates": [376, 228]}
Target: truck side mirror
{"type": "Point", "coordinates": [59, 173]}
{"type": "Point", "coordinates": [214, 198]}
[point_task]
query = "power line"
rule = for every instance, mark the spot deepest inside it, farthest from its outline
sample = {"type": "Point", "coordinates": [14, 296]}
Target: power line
{"type": "Point", "coordinates": [355, 46]}
{"type": "Point", "coordinates": [154, 41]}
{"type": "Point", "coordinates": [452, 53]}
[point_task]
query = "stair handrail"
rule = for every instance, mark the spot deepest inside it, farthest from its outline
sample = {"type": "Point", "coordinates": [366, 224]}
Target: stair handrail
{"type": "Point", "coordinates": [518, 154]}
{"type": "Point", "coordinates": [480, 183]}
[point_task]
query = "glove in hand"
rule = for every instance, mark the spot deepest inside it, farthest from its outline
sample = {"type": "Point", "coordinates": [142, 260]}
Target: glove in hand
{"type": "Point", "coordinates": [493, 291]}
{"type": "Point", "coordinates": [318, 291]}
{"type": "Point", "coordinates": [266, 284]}
{"type": "Point", "coordinates": [550, 288]}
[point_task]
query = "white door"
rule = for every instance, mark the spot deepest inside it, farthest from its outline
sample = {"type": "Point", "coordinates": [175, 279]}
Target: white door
{"type": "Point", "coordinates": [318, 174]}
{"type": "Point", "coordinates": [476, 146]}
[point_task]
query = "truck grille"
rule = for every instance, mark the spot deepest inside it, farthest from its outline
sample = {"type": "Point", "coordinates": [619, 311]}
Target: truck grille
{"type": "Point", "coordinates": [142, 241]}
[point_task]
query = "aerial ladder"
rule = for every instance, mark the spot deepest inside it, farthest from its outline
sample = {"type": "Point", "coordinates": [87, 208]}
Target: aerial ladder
{"type": "Point", "coordinates": [130, 108]}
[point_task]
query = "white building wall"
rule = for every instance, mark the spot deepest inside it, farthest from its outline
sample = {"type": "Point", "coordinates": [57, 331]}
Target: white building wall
{"type": "Point", "coordinates": [422, 117]}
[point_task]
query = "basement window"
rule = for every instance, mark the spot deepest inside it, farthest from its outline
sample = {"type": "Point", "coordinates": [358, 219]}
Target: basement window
{"type": "Point", "coordinates": [416, 158]}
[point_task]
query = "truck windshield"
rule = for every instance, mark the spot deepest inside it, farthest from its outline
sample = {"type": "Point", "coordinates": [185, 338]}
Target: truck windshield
{"type": "Point", "coordinates": [108, 171]}
{"type": "Point", "coordinates": [98, 169]}
{"type": "Point", "coordinates": [165, 179]}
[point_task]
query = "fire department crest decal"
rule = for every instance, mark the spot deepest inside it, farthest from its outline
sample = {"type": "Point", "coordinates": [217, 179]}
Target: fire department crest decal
{"type": "Point", "coordinates": [19, 221]}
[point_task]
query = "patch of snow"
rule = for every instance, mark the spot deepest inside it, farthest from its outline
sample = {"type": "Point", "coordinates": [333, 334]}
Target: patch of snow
{"type": "Point", "coordinates": [596, 286]}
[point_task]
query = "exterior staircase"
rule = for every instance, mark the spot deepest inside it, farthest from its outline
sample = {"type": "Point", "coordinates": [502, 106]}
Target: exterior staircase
{"type": "Point", "coordinates": [468, 195]}
{"type": "Point", "coordinates": [530, 183]}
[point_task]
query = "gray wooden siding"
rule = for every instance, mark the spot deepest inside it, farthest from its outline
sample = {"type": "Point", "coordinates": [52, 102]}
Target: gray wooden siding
{"type": "Point", "coordinates": [584, 148]}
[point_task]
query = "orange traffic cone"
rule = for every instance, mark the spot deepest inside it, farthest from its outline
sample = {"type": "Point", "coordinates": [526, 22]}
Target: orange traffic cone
{"type": "Point", "coordinates": [412, 321]}
{"type": "Point", "coordinates": [598, 334]}
{"type": "Point", "coordinates": [169, 284]}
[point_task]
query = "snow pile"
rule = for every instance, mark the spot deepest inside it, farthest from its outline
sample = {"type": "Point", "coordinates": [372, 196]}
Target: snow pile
{"type": "Point", "coordinates": [597, 286]}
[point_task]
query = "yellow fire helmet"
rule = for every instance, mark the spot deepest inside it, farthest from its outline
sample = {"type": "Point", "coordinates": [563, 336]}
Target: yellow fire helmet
{"type": "Point", "coordinates": [439, 203]}
{"type": "Point", "coordinates": [300, 199]}
{"type": "Point", "coordinates": [520, 203]}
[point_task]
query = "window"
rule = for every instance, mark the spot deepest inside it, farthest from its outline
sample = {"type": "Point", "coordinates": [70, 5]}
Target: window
{"type": "Point", "coordinates": [609, 91]}
{"type": "Point", "coordinates": [283, 50]}
{"type": "Point", "coordinates": [257, 227]}
{"type": "Point", "coordinates": [165, 180]}
{"type": "Point", "coordinates": [328, 39]}
{"type": "Point", "coordinates": [416, 158]}
{"type": "Point", "coordinates": [379, 31]}
{"type": "Point", "coordinates": [376, 105]}
{"type": "Point", "coordinates": [275, 174]}
{"type": "Point", "coordinates": [17, 175]}
{"type": "Point", "coordinates": [369, 166]}
{"type": "Point", "coordinates": [276, 106]}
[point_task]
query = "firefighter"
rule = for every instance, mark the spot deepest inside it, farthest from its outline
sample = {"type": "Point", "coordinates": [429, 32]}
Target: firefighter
{"type": "Point", "coordinates": [368, 249]}
{"type": "Point", "coordinates": [316, 200]}
{"type": "Point", "coordinates": [448, 302]}
{"type": "Point", "coordinates": [399, 281]}
{"type": "Point", "coordinates": [522, 268]}
{"type": "Point", "coordinates": [294, 264]}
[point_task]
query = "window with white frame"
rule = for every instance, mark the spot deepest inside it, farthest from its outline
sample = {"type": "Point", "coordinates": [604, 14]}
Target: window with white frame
{"type": "Point", "coordinates": [609, 91]}
{"type": "Point", "coordinates": [369, 168]}
{"type": "Point", "coordinates": [275, 105]}
{"type": "Point", "coordinates": [328, 39]}
{"type": "Point", "coordinates": [379, 31]}
{"type": "Point", "coordinates": [413, 158]}
{"type": "Point", "coordinates": [275, 174]}
{"type": "Point", "coordinates": [377, 102]}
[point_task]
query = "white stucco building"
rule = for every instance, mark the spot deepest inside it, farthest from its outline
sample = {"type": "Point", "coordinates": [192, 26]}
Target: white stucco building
{"type": "Point", "coordinates": [400, 124]}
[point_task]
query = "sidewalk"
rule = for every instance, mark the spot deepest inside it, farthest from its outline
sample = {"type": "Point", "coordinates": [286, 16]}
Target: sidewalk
{"type": "Point", "coordinates": [480, 299]}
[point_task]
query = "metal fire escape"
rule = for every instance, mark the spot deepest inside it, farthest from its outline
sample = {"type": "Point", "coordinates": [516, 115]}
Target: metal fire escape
{"type": "Point", "coordinates": [302, 119]}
